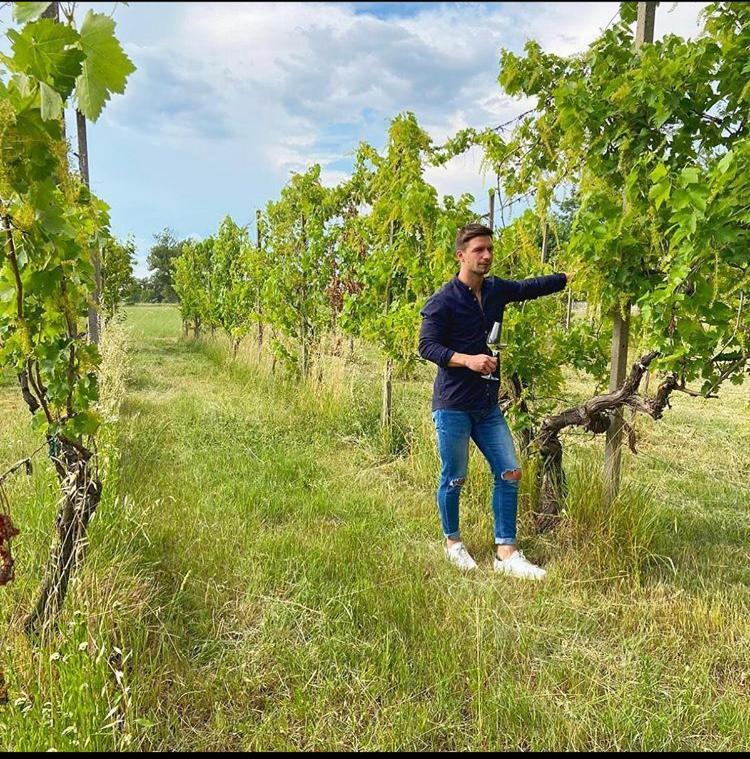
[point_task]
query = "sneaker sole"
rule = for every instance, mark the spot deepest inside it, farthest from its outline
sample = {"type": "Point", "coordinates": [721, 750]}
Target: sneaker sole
{"type": "Point", "coordinates": [464, 569]}
{"type": "Point", "coordinates": [458, 566]}
{"type": "Point", "coordinates": [519, 575]}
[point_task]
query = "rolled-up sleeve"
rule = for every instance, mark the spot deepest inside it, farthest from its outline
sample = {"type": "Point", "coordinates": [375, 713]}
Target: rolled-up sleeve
{"type": "Point", "coordinates": [535, 287]}
{"type": "Point", "coordinates": [433, 333]}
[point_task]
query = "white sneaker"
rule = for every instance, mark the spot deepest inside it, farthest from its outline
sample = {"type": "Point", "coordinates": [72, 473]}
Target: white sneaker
{"type": "Point", "coordinates": [517, 565]}
{"type": "Point", "coordinates": [458, 554]}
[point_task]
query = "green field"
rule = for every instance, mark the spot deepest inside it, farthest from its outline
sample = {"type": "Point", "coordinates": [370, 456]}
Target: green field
{"type": "Point", "coordinates": [266, 572]}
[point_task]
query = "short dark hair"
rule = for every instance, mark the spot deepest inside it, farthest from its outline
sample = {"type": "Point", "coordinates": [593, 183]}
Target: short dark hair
{"type": "Point", "coordinates": [469, 232]}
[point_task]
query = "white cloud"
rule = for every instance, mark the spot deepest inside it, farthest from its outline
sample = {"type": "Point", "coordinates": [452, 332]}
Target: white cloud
{"type": "Point", "coordinates": [565, 28]}
{"type": "Point", "coordinates": [273, 76]}
{"type": "Point", "coordinates": [276, 74]}
{"type": "Point", "coordinates": [462, 174]}
{"type": "Point", "coordinates": [678, 18]}
{"type": "Point", "coordinates": [332, 177]}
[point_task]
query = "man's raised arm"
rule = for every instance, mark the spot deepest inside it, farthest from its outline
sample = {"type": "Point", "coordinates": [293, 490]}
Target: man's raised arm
{"type": "Point", "coordinates": [535, 287]}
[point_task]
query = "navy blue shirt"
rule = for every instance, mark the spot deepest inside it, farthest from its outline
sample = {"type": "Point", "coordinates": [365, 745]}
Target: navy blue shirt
{"type": "Point", "coordinates": [454, 322]}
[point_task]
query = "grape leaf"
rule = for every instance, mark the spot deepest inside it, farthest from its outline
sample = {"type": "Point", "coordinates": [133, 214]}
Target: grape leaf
{"type": "Point", "coordinates": [52, 103]}
{"type": "Point", "coordinates": [25, 12]}
{"type": "Point", "coordinates": [44, 49]}
{"type": "Point", "coordinates": [106, 67]}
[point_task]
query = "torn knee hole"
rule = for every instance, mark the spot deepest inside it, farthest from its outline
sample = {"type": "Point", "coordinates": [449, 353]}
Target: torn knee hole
{"type": "Point", "coordinates": [457, 482]}
{"type": "Point", "coordinates": [512, 474]}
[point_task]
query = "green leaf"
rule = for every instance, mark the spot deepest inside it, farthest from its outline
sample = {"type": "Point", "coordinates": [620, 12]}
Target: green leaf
{"type": "Point", "coordinates": [45, 50]}
{"type": "Point", "coordinates": [24, 84]}
{"type": "Point", "coordinates": [628, 12]}
{"type": "Point", "coordinates": [106, 67]}
{"type": "Point", "coordinates": [680, 199]}
{"type": "Point", "coordinates": [661, 115]}
{"type": "Point", "coordinates": [658, 173]}
{"type": "Point", "coordinates": [45, 282]}
{"type": "Point", "coordinates": [698, 196]}
{"type": "Point", "coordinates": [47, 204]}
{"type": "Point", "coordinates": [38, 421]}
{"type": "Point", "coordinates": [25, 12]}
{"type": "Point", "coordinates": [52, 103]}
{"type": "Point", "coordinates": [726, 162]}
{"type": "Point", "coordinates": [659, 193]}
{"type": "Point", "coordinates": [689, 175]}
{"type": "Point", "coordinates": [7, 293]}
{"type": "Point", "coordinates": [84, 423]}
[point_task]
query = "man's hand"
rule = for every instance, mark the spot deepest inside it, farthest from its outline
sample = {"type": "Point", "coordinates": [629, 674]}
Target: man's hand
{"type": "Point", "coordinates": [480, 363]}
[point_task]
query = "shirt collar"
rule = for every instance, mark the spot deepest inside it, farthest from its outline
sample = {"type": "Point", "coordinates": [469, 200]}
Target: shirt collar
{"type": "Point", "coordinates": [464, 286]}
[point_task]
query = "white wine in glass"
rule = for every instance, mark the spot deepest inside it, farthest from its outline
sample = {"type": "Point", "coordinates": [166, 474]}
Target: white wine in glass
{"type": "Point", "coordinates": [492, 341]}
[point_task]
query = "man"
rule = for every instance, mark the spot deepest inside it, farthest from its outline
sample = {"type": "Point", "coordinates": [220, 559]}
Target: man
{"type": "Point", "coordinates": [456, 322]}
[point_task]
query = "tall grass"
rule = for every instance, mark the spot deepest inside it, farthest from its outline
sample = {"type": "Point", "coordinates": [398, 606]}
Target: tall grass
{"type": "Point", "coordinates": [68, 693]}
{"type": "Point", "coordinates": [268, 574]}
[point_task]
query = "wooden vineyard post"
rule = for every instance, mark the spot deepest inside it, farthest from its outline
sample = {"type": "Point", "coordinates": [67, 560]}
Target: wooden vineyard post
{"type": "Point", "coordinates": [621, 326]}
{"type": "Point", "coordinates": [259, 305]}
{"type": "Point", "coordinates": [305, 369]}
{"type": "Point", "coordinates": [96, 259]}
{"type": "Point", "coordinates": [386, 417]}
{"type": "Point", "coordinates": [53, 12]}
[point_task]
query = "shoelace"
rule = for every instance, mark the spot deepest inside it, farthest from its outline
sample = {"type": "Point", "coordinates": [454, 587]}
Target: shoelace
{"type": "Point", "coordinates": [518, 551]}
{"type": "Point", "coordinates": [521, 555]}
{"type": "Point", "coordinates": [531, 565]}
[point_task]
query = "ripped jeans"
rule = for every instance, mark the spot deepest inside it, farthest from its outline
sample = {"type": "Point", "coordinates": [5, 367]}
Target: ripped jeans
{"type": "Point", "coordinates": [489, 430]}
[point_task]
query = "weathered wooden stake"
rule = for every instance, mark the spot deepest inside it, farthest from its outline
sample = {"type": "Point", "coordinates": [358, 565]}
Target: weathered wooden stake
{"type": "Point", "coordinates": [621, 322]}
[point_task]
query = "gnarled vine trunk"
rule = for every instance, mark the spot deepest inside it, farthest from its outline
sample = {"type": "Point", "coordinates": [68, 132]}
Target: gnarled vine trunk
{"type": "Point", "coordinates": [594, 416]}
{"type": "Point", "coordinates": [81, 492]}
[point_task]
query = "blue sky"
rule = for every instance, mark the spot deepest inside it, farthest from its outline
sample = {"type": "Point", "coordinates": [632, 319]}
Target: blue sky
{"type": "Point", "coordinates": [229, 98]}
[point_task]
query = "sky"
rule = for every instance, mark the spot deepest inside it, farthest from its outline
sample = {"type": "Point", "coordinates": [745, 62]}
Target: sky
{"type": "Point", "coordinates": [230, 98]}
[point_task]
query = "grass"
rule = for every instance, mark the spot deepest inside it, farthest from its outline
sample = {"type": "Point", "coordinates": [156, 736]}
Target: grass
{"type": "Point", "coordinates": [266, 573]}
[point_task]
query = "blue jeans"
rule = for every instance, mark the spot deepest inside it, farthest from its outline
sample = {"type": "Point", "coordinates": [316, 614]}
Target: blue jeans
{"type": "Point", "coordinates": [489, 430]}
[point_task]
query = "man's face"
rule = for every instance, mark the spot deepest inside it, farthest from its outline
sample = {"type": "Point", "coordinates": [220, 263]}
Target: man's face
{"type": "Point", "coordinates": [476, 257]}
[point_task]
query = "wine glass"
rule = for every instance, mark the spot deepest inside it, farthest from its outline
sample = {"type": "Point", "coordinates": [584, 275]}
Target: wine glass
{"type": "Point", "coordinates": [492, 341]}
